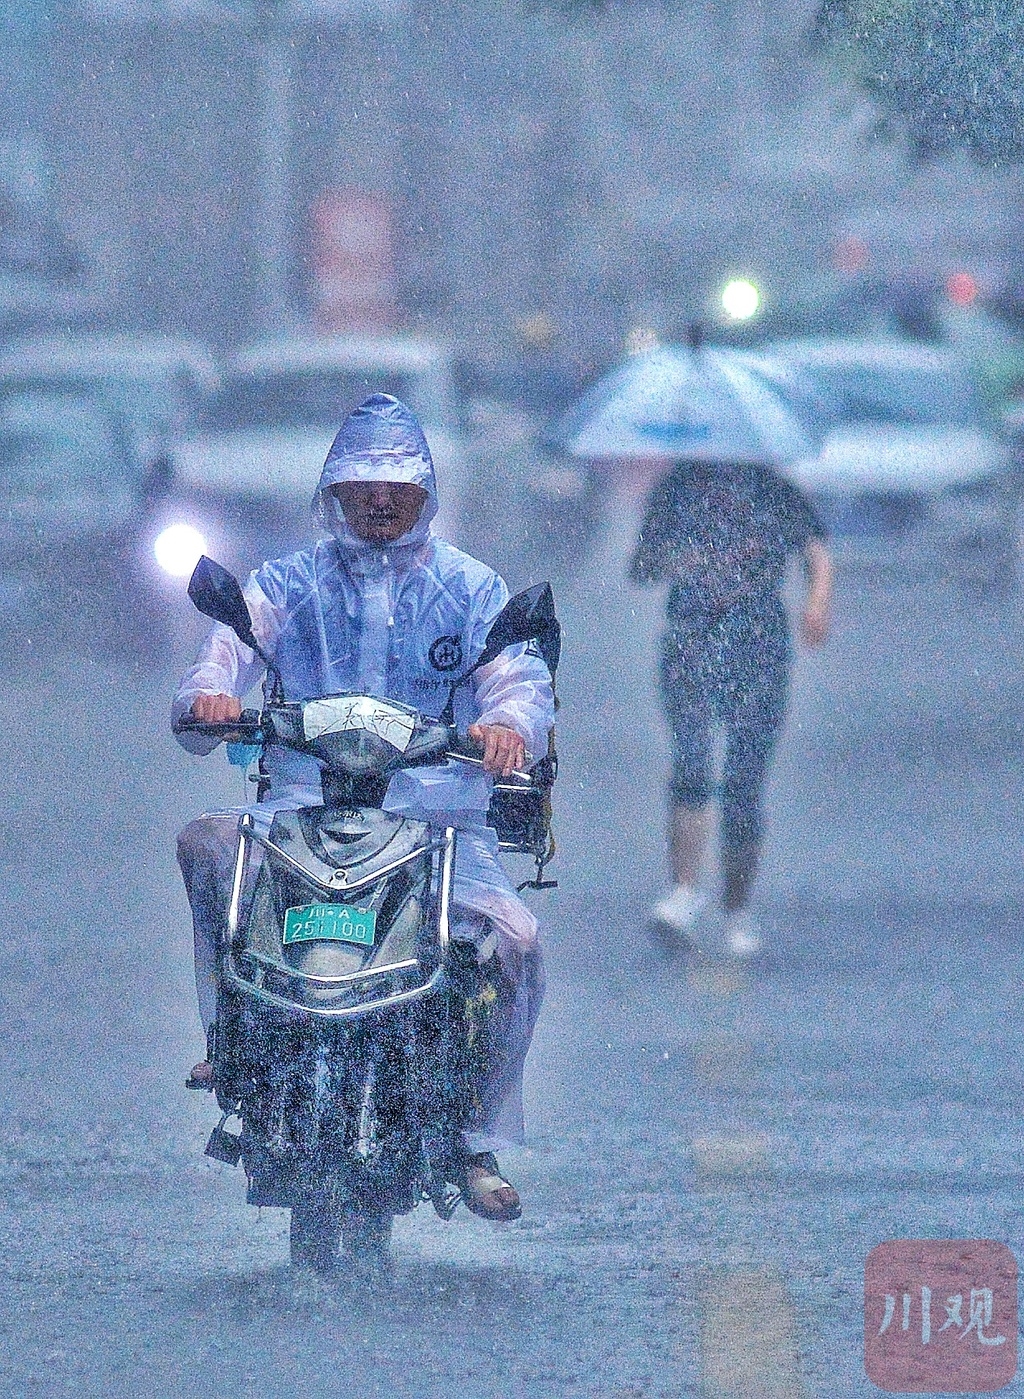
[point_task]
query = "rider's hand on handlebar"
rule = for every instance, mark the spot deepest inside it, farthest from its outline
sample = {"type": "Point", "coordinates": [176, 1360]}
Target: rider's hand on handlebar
{"type": "Point", "coordinates": [215, 709]}
{"type": "Point", "coordinates": [504, 749]}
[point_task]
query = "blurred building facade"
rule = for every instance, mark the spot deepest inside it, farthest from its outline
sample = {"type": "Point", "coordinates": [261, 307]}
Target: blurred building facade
{"type": "Point", "coordinates": [552, 184]}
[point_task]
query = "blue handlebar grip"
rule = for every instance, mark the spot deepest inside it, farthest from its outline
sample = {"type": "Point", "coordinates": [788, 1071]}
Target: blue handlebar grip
{"type": "Point", "coordinates": [241, 755]}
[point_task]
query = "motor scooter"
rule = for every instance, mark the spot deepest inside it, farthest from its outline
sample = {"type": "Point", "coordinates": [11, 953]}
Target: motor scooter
{"type": "Point", "coordinates": [351, 1028]}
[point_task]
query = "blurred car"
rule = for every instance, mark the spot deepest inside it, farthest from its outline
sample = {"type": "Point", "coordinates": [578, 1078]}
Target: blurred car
{"type": "Point", "coordinates": [248, 476]}
{"type": "Point", "coordinates": [530, 512]}
{"type": "Point", "coordinates": [157, 384]}
{"type": "Point", "coordinates": [70, 477]}
{"type": "Point", "coordinates": [910, 452]}
{"type": "Point", "coordinates": [80, 511]}
{"type": "Point", "coordinates": [102, 412]}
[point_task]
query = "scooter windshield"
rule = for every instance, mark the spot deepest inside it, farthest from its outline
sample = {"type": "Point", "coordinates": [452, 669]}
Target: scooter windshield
{"type": "Point", "coordinates": [358, 735]}
{"type": "Point", "coordinates": [393, 723]}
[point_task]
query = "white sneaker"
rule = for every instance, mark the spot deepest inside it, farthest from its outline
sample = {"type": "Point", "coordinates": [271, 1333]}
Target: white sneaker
{"type": "Point", "coordinates": [742, 934]}
{"type": "Point", "coordinates": [678, 911]}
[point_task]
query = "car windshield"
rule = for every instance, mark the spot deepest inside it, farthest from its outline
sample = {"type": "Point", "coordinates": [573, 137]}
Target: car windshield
{"type": "Point", "coordinates": [316, 398]}
{"type": "Point", "coordinates": [903, 397]}
{"type": "Point", "coordinates": [47, 436]}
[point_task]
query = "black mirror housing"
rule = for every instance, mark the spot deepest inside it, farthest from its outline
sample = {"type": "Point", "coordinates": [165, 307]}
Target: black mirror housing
{"type": "Point", "coordinates": [217, 594]}
{"type": "Point", "coordinates": [529, 616]}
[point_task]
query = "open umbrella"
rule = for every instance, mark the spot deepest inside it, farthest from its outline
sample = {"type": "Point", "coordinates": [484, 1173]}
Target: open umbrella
{"type": "Point", "coordinates": [702, 404]}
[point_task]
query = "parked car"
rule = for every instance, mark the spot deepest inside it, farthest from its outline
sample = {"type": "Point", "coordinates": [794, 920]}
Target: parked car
{"type": "Point", "coordinates": [248, 475]}
{"type": "Point", "coordinates": [70, 476]}
{"type": "Point", "coordinates": [129, 398]}
{"type": "Point", "coordinates": [911, 453]}
{"type": "Point", "coordinates": [530, 512]}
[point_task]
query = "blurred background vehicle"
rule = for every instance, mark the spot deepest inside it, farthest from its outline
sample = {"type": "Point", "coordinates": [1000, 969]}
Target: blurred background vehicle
{"type": "Point", "coordinates": [90, 420]}
{"type": "Point", "coordinates": [246, 477]}
{"type": "Point", "coordinates": [529, 510]}
{"type": "Point", "coordinates": [158, 383]}
{"type": "Point", "coordinates": [45, 276]}
{"type": "Point", "coordinates": [71, 475]}
{"type": "Point", "coordinates": [79, 511]}
{"type": "Point", "coordinates": [912, 454]}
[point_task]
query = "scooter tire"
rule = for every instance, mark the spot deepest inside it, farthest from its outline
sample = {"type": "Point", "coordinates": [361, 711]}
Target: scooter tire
{"type": "Point", "coordinates": [366, 1238]}
{"type": "Point", "coordinates": [314, 1236]}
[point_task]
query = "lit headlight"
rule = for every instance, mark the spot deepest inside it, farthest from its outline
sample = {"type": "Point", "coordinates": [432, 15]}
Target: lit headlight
{"type": "Point", "coordinates": [740, 299]}
{"type": "Point", "coordinates": [178, 548]}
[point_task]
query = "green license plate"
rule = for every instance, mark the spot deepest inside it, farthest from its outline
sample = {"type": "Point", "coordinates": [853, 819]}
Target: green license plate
{"type": "Point", "coordinates": [330, 923]}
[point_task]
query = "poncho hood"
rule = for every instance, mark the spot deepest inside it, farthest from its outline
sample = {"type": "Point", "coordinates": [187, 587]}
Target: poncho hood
{"type": "Point", "coordinates": [381, 440]}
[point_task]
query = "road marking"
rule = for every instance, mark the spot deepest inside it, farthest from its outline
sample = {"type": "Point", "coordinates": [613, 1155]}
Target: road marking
{"type": "Point", "coordinates": [731, 1154]}
{"type": "Point", "coordinates": [720, 979]}
{"type": "Point", "coordinates": [748, 1346]}
{"type": "Point", "coordinates": [723, 1061]}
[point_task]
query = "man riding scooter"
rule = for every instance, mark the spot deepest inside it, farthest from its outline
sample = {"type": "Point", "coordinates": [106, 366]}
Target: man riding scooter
{"type": "Point", "coordinates": [386, 608]}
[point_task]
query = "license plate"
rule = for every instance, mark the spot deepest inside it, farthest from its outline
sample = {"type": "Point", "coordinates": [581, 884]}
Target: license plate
{"type": "Point", "coordinates": [330, 923]}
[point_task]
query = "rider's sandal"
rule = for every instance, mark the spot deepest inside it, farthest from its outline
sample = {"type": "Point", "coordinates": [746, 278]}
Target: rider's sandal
{"type": "Point", "coordinates": [485, 1192]}
{"type": "Point", "coordinates": [201, 1076]}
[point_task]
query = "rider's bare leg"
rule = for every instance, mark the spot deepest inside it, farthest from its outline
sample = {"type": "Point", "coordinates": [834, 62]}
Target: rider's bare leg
{"type": "Point", "coordinates": [689, 834]}
{"type": "Point", "coordinates": [206, 852]}
{"type": "Point", "coordinates": [739, 869]}
{"type": "Point", "coordinates": [510, 998]}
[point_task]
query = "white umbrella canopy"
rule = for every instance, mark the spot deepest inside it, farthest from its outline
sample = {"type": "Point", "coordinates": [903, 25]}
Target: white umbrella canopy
{"type": "Point", "coordinates": [699, 404]}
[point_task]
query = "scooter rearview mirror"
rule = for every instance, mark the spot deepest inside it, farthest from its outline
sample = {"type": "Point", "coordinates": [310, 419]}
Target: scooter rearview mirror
{"type": "Point", "coordinates": [217, 594]}
{"type": "Point", "coordinates": [529, 616]}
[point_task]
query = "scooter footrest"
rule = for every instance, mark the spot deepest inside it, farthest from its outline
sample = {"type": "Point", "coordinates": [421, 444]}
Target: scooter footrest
{"type": "Point", "coordinates": [445, 1205]}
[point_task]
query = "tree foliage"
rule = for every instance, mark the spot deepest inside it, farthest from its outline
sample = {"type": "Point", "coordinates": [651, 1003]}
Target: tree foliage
{"type": "Point", "coordinates": [950, 72]}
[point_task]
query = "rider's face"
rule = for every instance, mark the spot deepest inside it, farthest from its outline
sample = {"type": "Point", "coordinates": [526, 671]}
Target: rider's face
{"type": "Point", "coordinates": [380, 512]}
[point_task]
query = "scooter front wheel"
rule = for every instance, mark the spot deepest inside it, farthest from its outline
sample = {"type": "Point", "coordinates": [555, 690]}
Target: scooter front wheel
{"type": "Point", "coordinates": [366, 1238]}
{"type": "Point", "coordinates": [314, 1236]}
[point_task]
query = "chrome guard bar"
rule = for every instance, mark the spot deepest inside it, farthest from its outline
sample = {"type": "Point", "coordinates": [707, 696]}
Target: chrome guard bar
{"type": "Point", "coordinates": [259, 993]}
{"type": "Point", "coordinates": [333, 885]}
{"type": "Point", "coordinates": [408, 965]}
{"type": "Point", "coordinates": [231, 973]}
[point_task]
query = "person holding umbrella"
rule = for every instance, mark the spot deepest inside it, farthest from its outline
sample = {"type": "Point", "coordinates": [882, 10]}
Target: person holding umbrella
{"type": "Point", "coordinates": [721, 533]}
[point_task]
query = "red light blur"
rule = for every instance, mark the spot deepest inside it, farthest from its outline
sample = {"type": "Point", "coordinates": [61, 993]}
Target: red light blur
{"type": "Point", "coordinates": [961, 288]}
{"type": "Point", "coordinates": [851, 255]}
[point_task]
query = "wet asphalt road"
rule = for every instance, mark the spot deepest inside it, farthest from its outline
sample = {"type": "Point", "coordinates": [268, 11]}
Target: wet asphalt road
{"type": "Point", "coordinates": [713, 1150]}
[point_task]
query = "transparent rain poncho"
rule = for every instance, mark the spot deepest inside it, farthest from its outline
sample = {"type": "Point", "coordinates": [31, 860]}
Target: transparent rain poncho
{"type": "Point", "coordinates": [398, 622]}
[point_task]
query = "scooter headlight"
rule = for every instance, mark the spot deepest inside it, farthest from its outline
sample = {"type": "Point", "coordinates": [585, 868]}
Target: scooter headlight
{"type": "Point", "coordinates": [178, 549]}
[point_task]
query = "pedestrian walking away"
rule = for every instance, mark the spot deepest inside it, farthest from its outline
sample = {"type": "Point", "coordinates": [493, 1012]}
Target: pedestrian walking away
{"type": "Point", "coordinates": [721, 535]}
